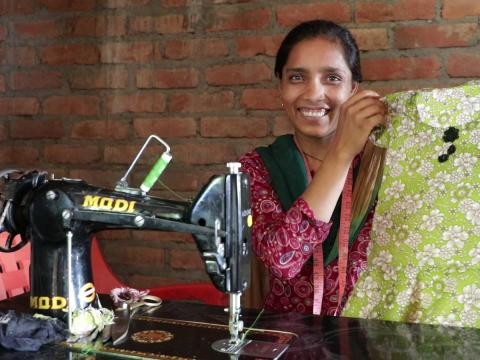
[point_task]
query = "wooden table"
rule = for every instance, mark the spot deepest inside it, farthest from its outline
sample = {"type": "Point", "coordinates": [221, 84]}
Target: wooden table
{"type": "Point", "coordinates": [195, 326]}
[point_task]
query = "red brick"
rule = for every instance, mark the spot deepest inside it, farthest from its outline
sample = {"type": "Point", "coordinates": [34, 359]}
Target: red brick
{"type": "Point", "coordinates": [140, 24]}
{"type": "Point", "coordinates": [103, 178]}
{"type": "Point", "coordinates": [229, 1]}
{"type": "Point", "coordinates": [18, 155]}
{"type": "Point", "coordinates": [3, 131]}
{"type": "Point", "coordinates": [401, 68]}
{"type": "Point", "coordinates": [167, 78]}
{"type": "Point", "coordinates": [37, 29]}
{"type": "Point", "coordinates": [165, 24]}
{"type": "Point", "coordinates": [289, 15]}
{"type": "Point", "coordinates": [174, 3]}
{"type": "Point", "coordinates": [187, 260]}
{"type": "Point", "coordinates": [71, 105]}
{"type": "Point", "coordinates": [71, 154]}
{"type": "Point", "coordinates": [204, 154]}
{"type": "Point", "coordinates": [19, 106]}
{"type": "Point", "coordinates": [138, 102]}
{"type": "Point", "coordinates": [114, 77]}
{"type": "Point", "coordinates": [381, 11]}
{"type": "Point", "coordinates": [2, 83]}
{"type": "Point", "coordinates": [36, 129]}
{"type": "Point", "coordinates": [3, 32]}
{"type": "Point", "coordinates": [371, 39]}
{"type": "Point", "coordinates": [170, 24]}
{"type": "Point", "coordinates": [238, 74]}
{"type": "Point", "coordinates": [17, 7]}
{"type": "Point", "coordinates": [70, 54]}
{"type": "Point", "coordinates": [165, 127]}
{"type": "Point", "coordinates": [234, 127]}
{"type": "Point", "coordinates": [449, 35]}
{"type": "Point", "coordinates": [68, 5]}
{"type": "Point", "coordinates": [194, 102]}
{"type": "Point", "coordinates": [464, 65]}
{"type": "Point", "coordinates": [21, 56]}
{"type": "Point", "coordinates": [455, 9]}
{"type": "Point", "coordinates": [281, 125]}
{"type": "Point", "coordinates": [253, 45]}
{"type": "Point", "coordinates": [36, 80]}
{"type": "Point", "coordinates": [261, 99]}
{"type": "Point", "coordinates": [101, 129]}
{"type": "Point", "coordinates": [223, 20]}
{"type": "Point", "coordinates": [136, 52]}
{"type": "Point", "coordinates": [96, 26]}
{"type": "Point", "coordinates": [196, 48]}
{"type": "Point", "coordinates": [117, 4]}
{"type": "Point", "coordinates": [180, 181]}
{"type": "Point", "coordinates": [124, 154]}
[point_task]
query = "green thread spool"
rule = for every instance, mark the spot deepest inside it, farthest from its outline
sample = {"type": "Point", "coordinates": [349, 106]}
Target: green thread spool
{"type": "Point", "coordinates": [155, 172]}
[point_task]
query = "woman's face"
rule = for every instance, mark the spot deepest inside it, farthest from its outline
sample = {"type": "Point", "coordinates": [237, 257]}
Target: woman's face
{"type": "Point", "coordinates": [316, 80]}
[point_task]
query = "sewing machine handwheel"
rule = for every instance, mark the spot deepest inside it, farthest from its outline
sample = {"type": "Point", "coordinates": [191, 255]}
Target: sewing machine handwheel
{"type": "Point", "coordinates": [9, 244]}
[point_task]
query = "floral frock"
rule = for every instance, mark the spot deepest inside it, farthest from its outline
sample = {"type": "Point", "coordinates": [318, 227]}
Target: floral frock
{"type": "Point", "coordinates": [424, 256]}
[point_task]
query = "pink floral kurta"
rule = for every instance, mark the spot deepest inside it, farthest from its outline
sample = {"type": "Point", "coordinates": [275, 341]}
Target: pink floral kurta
{"type": "Point", "coordinates": [284, 241]}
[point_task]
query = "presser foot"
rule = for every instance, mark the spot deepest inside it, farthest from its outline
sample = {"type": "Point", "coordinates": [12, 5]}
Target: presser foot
{"type": "Point", "coordinates": [253, 348]}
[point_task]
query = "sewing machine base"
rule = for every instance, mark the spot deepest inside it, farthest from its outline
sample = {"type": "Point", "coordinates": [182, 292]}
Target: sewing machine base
{"type": "Point", "coordinates": [254, 348]}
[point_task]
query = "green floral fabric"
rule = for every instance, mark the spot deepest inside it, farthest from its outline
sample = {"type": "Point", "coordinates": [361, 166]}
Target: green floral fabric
{"type": "Point", "coordinates": [424, 256]}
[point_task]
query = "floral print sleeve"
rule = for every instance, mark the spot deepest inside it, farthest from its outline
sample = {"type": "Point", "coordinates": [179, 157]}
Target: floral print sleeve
{"type": "Point", "coordinates": [283, 240]}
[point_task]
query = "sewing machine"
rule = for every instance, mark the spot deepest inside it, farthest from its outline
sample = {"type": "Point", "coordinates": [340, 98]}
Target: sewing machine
{"type": "Point", "coordinates": [60, 216]}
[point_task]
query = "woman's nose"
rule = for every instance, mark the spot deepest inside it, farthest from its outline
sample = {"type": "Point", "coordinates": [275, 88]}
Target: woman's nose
{"type": "Point", "coordinates": [315, 90]}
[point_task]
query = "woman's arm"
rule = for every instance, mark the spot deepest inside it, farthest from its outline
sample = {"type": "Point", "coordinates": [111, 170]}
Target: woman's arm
{"type": "Point", "coordinates": [283, 240]}
{"type": "Point", "coordinates": [356, 119]}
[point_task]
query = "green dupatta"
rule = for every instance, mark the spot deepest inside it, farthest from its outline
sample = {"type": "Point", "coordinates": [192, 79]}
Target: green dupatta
{"type": "Point", "coordinates": [289, 179]}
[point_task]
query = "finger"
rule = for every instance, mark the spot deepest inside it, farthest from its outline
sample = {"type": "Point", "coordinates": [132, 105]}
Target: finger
{"type": "Point", "coordinates": [362, 95]}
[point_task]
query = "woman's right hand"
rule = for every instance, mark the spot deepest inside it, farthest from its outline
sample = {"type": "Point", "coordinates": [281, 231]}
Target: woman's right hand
{"type": "Point", "coordinates": [357, 117]}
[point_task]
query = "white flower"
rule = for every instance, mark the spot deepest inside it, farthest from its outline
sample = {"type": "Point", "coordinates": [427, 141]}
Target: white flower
{"type": "Point", "coordinates": [475, 254]}
{"type": "Point", "coordinates": [394, 190]}
{"type": "Point", "coordinates": [472, 213]}
{"type": "Point", "coordinates": [455, 236]}
{"type": "Point", "coordinates": [470, 297]}
{"type": "Point", "coordinates": [430, 222]}
{"type": "Point", "coordinates": [465, 162]}
{"type": "Point", "coordinates": [450, 319]}
{"type": "Point", "coordinates": [382, 259]}
{"type": "Point", "coordinates": [90, 321]}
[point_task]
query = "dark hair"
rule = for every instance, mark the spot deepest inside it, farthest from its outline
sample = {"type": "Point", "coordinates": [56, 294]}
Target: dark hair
{"type": "Point", "coordinates": [320, 28]}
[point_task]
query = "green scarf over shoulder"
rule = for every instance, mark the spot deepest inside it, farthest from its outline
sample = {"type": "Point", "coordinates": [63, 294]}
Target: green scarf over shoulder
{"type": "Point", "coordinates": [289, 179]}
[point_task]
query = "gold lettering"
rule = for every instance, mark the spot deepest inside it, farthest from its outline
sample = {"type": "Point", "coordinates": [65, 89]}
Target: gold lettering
{"type": "Point", "coordinates": [43, 303]}
{"type": "Point", "coordinates": [58, 303]}
{"type": "Point", "coordinates": [90, 201]}
{"type": "Point", "coordinates": [106, 203]}
{"type": "Point", "coordinates": [34, 302]}
{"type": "Point", "coordinates": [131, 207]}
{"type": "Point", "coordinates": [120, 205]}
{"type": "Point", "coordinates": [87, 292]}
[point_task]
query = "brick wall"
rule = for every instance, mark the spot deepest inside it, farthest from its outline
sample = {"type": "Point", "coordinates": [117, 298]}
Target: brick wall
{"type": "Point", "coordinates": [84, 82]}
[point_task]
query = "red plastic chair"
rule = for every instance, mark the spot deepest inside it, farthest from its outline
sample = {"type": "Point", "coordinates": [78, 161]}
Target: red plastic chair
{"type": "Point", "coordinates": [14, 270]}
{"type": "Point", "coordinates": [105, 280]}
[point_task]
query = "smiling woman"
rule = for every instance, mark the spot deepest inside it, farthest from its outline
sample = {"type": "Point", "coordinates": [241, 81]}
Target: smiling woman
{"type": "Point", "coordinates": [301, 227]}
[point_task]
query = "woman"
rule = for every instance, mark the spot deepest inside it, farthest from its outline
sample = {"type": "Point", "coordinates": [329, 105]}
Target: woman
{"type": "Point", "coordinates": [296, 182]}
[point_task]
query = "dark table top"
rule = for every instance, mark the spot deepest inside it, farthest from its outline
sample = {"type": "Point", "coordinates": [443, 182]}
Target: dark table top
{"type": "Point", "coordinates": [196, 326]}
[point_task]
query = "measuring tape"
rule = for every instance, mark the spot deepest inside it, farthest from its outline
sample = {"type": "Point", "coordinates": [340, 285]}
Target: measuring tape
{"type": "Point", "coordinates": [343, 240]}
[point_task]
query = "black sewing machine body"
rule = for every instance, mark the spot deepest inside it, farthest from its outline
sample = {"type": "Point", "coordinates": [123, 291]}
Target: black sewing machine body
{"type": "Point", "coordinates": [60, 216]}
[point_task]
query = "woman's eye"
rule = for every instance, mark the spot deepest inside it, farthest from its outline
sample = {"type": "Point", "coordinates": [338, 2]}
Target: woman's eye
{"type": "Point", "coordinates": [334, 78]}
{"type": "Point", "coordinates": [295, 77]}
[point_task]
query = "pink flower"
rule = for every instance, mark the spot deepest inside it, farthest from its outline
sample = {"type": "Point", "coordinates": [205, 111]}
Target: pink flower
{"type": "Point", "coordinates": [126, 295]}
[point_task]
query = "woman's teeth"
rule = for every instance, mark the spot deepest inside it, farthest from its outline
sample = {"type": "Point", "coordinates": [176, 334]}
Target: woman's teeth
{"type": "Point", "coordinates": [314, 113]}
